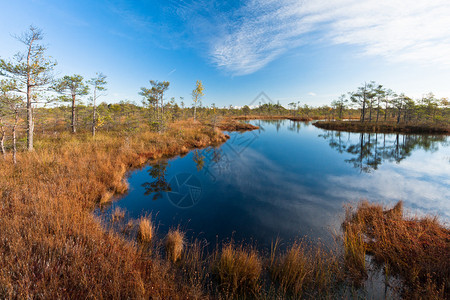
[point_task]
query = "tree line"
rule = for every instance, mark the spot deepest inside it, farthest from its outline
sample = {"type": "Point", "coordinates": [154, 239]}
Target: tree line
{"type": "Point", "coordinates": [30, 94]}
{"type": "Point", "coordinates": [31, 99]}
{"type": "Point", "coordinates": [378, 103]}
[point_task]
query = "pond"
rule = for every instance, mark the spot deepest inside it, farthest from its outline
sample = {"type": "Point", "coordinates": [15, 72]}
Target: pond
{"type": "Point", "coordinates": [289, 180]}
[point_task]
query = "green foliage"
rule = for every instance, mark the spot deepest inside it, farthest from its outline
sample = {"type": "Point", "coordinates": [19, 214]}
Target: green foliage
{"type": "Point", "coordinates": [197, 95]}
{"type": "Point", "coordinates": [71, 85]}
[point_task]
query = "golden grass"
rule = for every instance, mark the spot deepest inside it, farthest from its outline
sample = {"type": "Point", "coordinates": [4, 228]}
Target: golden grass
{"type": "Point", "coordinates": [291, 270]}
{"type": "Point", "coordinates": [51, 244]}
{"type": "Point", "coordinates": [415, 249]}
{"type": "Point", "coordinates": [303, 269]}
{"type": "Point", "coordinates": [118, 214]}
{"type": "Point", "coordinates": [355, 250]}
{"type": "Point", "coordinates": [385, 127]}
{"type": "Point", "coordinates": [238, 271]}
{"type": "Point", "coordinates": [174, 243]}
{"type": "Point", "coordinates": [230, 124]}
{"type": "Point", "coordinates": [145, 230]}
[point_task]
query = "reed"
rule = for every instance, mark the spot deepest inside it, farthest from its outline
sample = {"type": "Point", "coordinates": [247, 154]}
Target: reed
{"type": "Point", "coordinates": [145, 230]}
{"type": "Point", "coordinates": [52, 245]}
{"type": "Point", "coordinates": [416, 249]}
{"type": "Point", "coordinates": [118, 214]}
{"type": "Point", "coordinates": [305, 271]}
{"type": "Point", "coordinates": [238, 271]}
{"type": "Point", "coordinates": [174, 244]}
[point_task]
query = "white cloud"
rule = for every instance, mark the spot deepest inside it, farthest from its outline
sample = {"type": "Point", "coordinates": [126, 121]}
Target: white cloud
{"type": "Point", "coordinates": [171, 72]}
{"type": "Point", "coordinates": [398, 30]}
{"type": "Point", "coordinates": [242, 40]}
{"type": "Point", "coordinates": [312, 94]}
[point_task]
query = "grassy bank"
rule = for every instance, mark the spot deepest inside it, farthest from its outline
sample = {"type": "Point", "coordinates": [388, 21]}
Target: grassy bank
{"type": "Point", "coordinates": [231, 124]}
{"type": "Point", "coordinates": [384, 127]}
{"type": "Point", "coordinates": [52, 246]}
{"type": "Point", "coordinates": [414, 249]}
{"type": "Point", "coordinates": [273, 117]}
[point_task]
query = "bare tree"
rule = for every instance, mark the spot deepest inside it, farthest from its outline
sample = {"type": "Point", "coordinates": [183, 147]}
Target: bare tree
{"type": "Point", "coordinates": [31, 71]}
{"type": "Point", "coordinates": [10, 106]}
{"type": "Point", "coordinates": [98, 84]}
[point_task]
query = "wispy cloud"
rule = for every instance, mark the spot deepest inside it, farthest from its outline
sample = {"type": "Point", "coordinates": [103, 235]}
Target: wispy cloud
{"type": "Point", "coordinates": [312, 94]}
{"type": "Point", "coordinates": [398, 30]}
{"type": "Point", "coordinates": [171, 72]}
{"type": "Point", "coordinates": [245, 38]}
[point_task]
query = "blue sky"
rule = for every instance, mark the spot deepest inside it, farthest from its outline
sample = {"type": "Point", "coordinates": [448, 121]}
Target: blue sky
{"type": "Point", "coordinates": [294, 50]}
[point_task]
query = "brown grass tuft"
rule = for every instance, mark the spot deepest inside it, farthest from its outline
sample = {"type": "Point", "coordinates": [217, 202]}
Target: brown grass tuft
{"type": "Point", "coordinates": [291, 270]}
{"type": "Point", "coordinates": [118, 214]}
{"type": "Point", "coordinates": [238, 270]}
{"type": "Point", "coordinates": [145, 230]}
{"type": "Point", "coordinates": [415, 249]}
{"type": "Point", "coordinates": [174, 244]}
{"type": "Point", "coordinates": [305, 269]}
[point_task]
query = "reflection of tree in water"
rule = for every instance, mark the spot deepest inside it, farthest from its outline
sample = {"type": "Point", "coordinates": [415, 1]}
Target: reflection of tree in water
{"type": "Point", "coordinates": [372, 149]}
{"type": "Point", "coordinates": [159, 185]}
{"type": "Point", "coordinates": [199, 160]}
{"type": "Point", "coordinates": [211, 160]}
{"type": "Point", "coordinates": [294, 126]}
{"type": "Point", "coordinates": [277, 123]}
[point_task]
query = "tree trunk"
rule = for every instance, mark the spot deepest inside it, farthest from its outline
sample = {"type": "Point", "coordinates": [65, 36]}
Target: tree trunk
{"type": "Point", "coordinates": [16, 117]}
{"type": "Point", "coordinates": [94, 121]}
{"type": "Point", "coordinates": [74, 129]}
{"type": "Point", "coordinates": [363, 112]}
{"type": "Point", "coordinates": [378, 109]}
{"type": "Point", "coordinates": [386, 112]}
{"type": "Point", "coordinates": [2, 141]}
{"type": "Point", "coordinates": [30, 125]}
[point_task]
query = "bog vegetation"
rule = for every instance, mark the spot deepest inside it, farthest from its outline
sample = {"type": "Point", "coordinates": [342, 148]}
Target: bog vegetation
{"type": "Point", "coordinates": [52, 246]}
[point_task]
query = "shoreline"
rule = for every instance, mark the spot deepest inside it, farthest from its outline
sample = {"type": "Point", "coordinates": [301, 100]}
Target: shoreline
{"type": "Point", "coordinates": [383, 127]}
{"type": "Point", "coordinates": [285, 117]}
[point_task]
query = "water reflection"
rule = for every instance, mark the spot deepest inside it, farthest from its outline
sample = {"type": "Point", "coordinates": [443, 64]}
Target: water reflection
{"type": "Point", "coordinates": [213, 161]}
{"type": "Point", "coordinates": [370, 150]}
{"type": "Point", "coordinates": [289, 183]}
{"type": "Point", "coordinates": [159, 185]}
{"type": "Point", "coordinates": [199, 160]}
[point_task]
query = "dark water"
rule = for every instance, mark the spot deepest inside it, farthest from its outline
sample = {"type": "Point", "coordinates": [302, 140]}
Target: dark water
{"type": "Point", "coordinates": [289, 179]}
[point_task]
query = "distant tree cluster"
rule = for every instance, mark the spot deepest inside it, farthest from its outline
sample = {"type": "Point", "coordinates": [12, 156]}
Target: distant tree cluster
{"type": "Point", "coordinates": [33, 100]}
{"type": "Point", "coordinates": [377, 103]}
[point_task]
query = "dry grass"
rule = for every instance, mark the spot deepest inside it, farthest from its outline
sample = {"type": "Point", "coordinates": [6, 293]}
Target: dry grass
{"type": "Point", "coordinates": [415, 249]}
{"type": "Point", "coordinates": [174, 243]}
{"type": "Point", "coordinates": [385, 127]}
{"type": "Point", "coordinates": [304, 271]}
{"type": "Point", "coordinates": [145, 230]}
{"type": "Point", "coordinates": [230, 124]}
{"type": "Point", "coordinates": [118, 214]}
{"type": "Point", "coordinates": [238, 271]}
{"type": "Point", "coordinates": [52, 246]}
{"type": "Point", "coordinates": [355, 250]}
